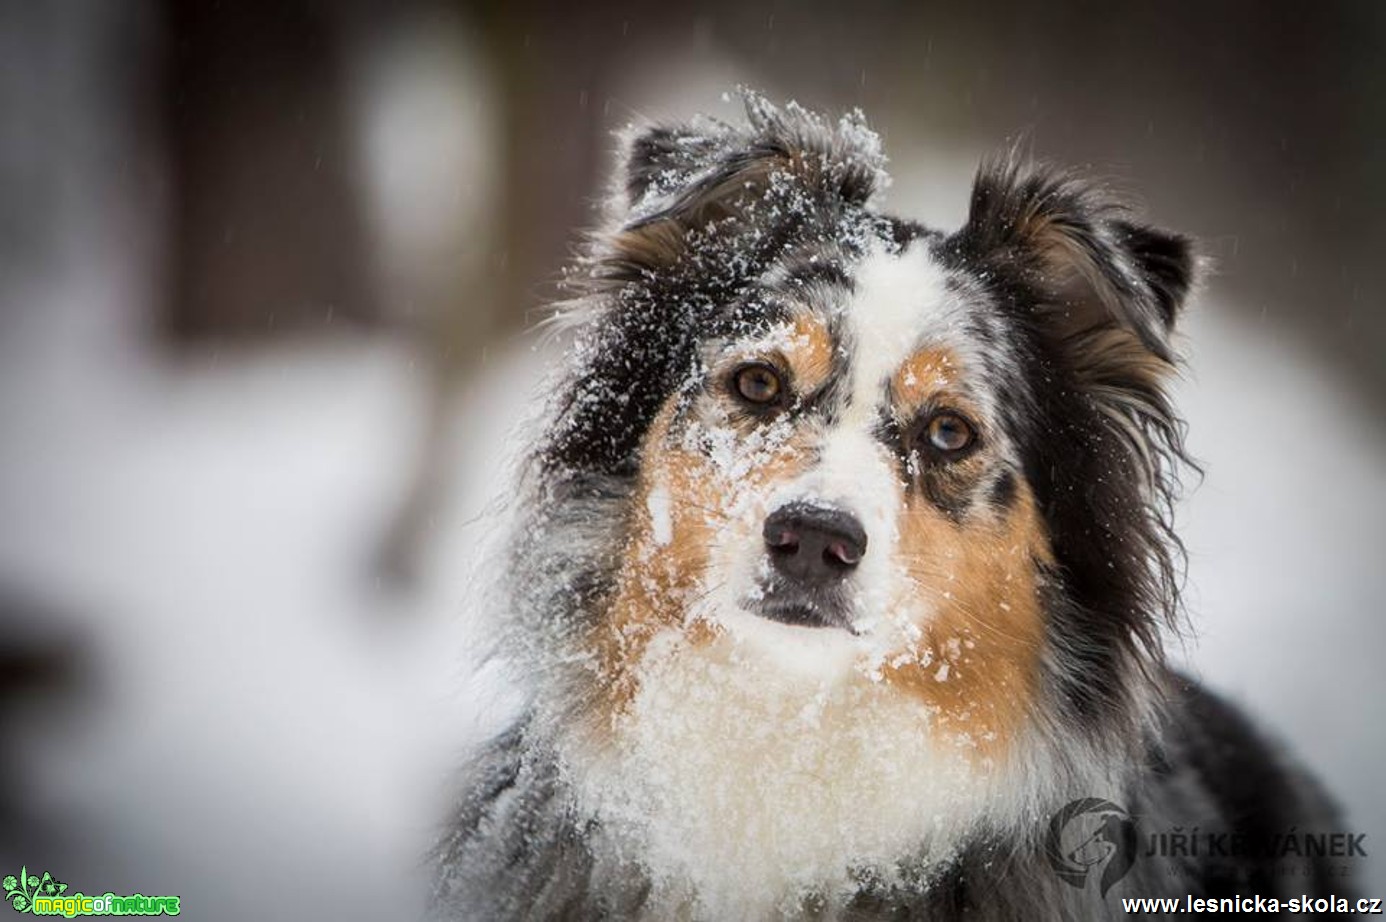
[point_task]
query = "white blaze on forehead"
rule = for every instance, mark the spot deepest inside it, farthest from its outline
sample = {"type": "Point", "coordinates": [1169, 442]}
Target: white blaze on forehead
{"type": "Point", "coordinates": [899, 300]}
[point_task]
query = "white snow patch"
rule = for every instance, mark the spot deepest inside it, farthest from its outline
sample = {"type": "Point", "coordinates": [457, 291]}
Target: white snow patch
{"type": "Point", "coordinates": [745, 785]}
{"type": "Point", "coordinates": [657, 503]}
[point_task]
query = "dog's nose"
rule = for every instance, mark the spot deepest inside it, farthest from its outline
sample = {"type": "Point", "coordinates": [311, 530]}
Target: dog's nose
{"type": "Point", "coordinates": [814, 544]}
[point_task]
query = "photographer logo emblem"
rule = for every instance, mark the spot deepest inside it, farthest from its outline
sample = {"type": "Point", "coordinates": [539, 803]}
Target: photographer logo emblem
{"type": "Point", "coordinates": [1091, 839]}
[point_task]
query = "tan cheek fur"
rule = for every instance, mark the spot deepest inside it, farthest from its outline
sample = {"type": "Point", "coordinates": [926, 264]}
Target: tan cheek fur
{"type": "Point", "coordinates": [977, 660]}
{"type": "Point", "coordinates": [659, 581]}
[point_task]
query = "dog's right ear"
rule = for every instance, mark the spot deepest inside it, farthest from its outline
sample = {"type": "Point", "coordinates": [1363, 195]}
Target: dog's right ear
{"type": "Point", "coordinates": [678, 180]}
{"type": "Point", "coordinates": [660, 160]}
{"type": "Point", "coordinates": [788, 166]}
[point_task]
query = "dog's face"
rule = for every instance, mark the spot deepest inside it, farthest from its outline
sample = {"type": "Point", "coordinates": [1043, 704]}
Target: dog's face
{"type": "Point", "coordinates": [839, 462]}
{"type": "Point", "coordinates": [852, 534]}
{"type": "Point", "coordinates": [929, 462]}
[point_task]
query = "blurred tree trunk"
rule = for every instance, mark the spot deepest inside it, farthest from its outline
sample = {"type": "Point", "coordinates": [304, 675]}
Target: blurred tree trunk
{"type": "Point", "coordinates": [266, 231]}
{"type": "Point", "coordinates": [546, 74]}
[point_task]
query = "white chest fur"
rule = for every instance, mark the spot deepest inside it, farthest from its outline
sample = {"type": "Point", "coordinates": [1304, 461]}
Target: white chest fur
{"type": "Point", "coordinates": [741, 785]}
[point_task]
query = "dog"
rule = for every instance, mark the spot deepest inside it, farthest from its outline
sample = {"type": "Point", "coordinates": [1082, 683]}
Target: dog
{"type": "Point", "coordinates": [844, 564]}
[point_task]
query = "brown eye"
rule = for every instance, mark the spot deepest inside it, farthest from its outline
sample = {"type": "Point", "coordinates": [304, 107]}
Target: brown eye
{"type": "Point", "coordinates": [949, 433]}
{"type": "Point", "coordinates": [757, 383]}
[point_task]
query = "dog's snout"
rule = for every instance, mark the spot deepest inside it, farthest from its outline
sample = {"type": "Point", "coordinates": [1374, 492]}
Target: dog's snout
{"type": "Point", "coordinates": [814, 544]}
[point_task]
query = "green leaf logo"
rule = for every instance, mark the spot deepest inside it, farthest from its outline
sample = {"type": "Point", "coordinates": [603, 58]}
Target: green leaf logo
{"type": "Point", "coordinates": [20, 891]}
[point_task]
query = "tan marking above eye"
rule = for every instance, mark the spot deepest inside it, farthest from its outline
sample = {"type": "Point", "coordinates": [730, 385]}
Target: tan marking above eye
{"type": "Point", "coordinates": [923, 375]}
{"type": "Point", "coordinates": [810, 352]}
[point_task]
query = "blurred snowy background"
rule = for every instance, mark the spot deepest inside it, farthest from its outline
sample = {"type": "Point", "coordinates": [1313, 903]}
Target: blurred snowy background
{"type": "Point", "coordinates": [264, 269]}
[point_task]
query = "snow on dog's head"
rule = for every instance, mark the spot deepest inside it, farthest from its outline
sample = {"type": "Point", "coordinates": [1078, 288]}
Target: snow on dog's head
{"type": "Point", "coordinates": [832, 485]}
{"type": "Point", "coordinates": [841, 514]}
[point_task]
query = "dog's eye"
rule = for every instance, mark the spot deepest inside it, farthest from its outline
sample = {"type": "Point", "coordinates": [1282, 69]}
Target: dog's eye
{"type": "Point", "coordinates": [757, 383]}
{"type": "Point", "coordinates": [949, 433]}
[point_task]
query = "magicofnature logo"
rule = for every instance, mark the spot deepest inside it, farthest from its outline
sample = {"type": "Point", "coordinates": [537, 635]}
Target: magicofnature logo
{"type": "Point", "coordinates": [1089, 836]}
{"type": "Point", "coordinates": [45, 895]}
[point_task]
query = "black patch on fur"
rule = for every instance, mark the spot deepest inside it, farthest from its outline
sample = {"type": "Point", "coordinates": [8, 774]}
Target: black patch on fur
{"type": "Point", "coordinates": [1003, 491]}
{"type": "Point", "coordinates": [903, 232]}
{"type": "Point", "coordinates": [805, 272]}
{"type": "Point", "coordinates": [1250, 792]}
{"type": "Point", "coordinates": [1167, 261]}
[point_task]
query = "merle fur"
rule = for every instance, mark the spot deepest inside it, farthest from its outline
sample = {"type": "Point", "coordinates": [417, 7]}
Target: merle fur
{"type": "Point", "coordinates": [1101, 448]}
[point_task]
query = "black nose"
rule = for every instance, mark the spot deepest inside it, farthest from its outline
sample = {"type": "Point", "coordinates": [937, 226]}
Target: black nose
{"type": "Point", "coordinates": [814, 544]}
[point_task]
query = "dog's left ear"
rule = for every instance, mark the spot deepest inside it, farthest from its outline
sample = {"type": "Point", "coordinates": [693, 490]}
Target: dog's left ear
{"type": "Point", "coordinates": [1096, 275]}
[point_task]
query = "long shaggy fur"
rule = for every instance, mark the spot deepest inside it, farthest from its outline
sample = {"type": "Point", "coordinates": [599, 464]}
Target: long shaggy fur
{"type": "Point", "coordinates": [1064, 306]}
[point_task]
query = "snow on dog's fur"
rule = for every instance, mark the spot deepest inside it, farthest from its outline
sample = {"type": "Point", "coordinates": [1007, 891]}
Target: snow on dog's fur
{"type": "Point", "coordinates": [843, 561]}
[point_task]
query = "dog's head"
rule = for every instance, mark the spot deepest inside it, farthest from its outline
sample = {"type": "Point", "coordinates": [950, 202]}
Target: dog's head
{"type": "Point", "coordinates": [939, 461]}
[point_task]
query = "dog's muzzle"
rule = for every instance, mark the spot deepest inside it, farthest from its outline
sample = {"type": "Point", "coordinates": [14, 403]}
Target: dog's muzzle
{"type": "Point", "coordinates": [812, 550]}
